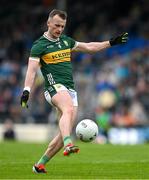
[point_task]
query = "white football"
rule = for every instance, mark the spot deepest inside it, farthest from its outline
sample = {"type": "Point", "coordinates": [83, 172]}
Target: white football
{"type": "Point", "coordinates": [87, 130]}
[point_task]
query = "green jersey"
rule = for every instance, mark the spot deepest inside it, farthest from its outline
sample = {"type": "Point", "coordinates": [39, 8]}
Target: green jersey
{"type": "Point", "coordinates": [55, 59]}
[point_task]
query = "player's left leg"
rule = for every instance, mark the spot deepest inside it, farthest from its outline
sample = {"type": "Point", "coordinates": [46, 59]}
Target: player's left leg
{"type": "Point", "coordinates": [54, 146]}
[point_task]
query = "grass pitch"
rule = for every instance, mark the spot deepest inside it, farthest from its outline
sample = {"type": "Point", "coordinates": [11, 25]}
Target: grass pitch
{"type": "Point", "coordinates": [93, 162]}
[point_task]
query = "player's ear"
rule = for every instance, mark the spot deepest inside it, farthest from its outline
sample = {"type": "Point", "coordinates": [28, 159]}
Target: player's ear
{"type": "Point", "coordinates": [48, 23]}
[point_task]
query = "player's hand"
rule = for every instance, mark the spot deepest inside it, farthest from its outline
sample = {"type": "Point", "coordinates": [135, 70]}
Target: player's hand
{"type": "Point", "coordinates": [24, 98]}
{"type": "Point", "coordinates": [121, 39]}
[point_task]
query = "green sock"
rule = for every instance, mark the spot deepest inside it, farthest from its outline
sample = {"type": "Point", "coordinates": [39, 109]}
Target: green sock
{"type": "Point", "coordinates": [44, 159]}
{"type": "Point", "coordinates": [67, 140]}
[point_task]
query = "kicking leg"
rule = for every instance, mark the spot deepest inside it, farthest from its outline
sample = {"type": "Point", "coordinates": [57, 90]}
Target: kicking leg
{"type": "Point", "coordinates": [56, 144]}
{"type": "Point", "coordinates": [63, 101]}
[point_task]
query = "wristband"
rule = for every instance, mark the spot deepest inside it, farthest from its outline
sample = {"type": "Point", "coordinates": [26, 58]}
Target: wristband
{"type": "Point", "coordinates": [27, 89]}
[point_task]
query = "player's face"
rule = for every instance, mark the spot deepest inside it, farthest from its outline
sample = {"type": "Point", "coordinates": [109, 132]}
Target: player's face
{"type": "Point", "coordinates": [56, 26]}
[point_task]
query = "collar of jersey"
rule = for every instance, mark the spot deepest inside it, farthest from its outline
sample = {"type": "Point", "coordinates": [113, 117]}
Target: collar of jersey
{"type": "Point", "coordinates": [50, 39]}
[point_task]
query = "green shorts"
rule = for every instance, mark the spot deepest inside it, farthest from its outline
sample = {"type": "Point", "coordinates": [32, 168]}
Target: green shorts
{"type": "Point", "coordinates": [53, 89]}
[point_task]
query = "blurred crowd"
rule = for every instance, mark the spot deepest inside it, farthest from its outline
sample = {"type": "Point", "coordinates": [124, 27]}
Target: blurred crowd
{"type": "Point", "coordinates": [113, 85]}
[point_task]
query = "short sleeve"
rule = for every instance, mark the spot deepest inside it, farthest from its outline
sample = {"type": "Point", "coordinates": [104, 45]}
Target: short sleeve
{"type": "Point", "coordinates": [73, 43]}
{"type": "Point", "coordinates": [36, 51]}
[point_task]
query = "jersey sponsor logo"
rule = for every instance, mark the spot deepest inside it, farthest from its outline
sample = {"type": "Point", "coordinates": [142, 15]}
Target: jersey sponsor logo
{"type": "Point", "coordinates": [56, 57]}
{"type": "Point", "coordinates": [61, 55]}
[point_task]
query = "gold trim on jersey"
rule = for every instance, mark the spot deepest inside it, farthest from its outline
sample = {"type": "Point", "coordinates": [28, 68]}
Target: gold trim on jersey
{"type": "Point", "coordinates": [56, 57]}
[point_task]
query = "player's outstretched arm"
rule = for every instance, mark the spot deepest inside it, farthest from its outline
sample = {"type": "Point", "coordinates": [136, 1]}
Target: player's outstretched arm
{"type": "Point", "coordinates": [29, 79]}
{"type": "Point", "coordinates": [93, 47]}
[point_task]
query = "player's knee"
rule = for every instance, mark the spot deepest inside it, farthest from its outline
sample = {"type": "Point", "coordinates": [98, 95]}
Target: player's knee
{"type": "Point", "coordinates": [69, 110]}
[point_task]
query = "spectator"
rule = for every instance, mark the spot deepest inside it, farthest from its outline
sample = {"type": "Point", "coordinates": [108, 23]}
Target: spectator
{"type": "Point", "coordinates": [9, 133]}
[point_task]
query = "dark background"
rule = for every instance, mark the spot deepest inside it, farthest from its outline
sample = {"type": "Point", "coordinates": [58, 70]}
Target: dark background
{"type": "Point", "coordinates": [122, 69]}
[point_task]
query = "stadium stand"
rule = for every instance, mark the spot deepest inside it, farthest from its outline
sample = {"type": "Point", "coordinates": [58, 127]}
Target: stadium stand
{"type": "Point", "coordinates": [123, 70]}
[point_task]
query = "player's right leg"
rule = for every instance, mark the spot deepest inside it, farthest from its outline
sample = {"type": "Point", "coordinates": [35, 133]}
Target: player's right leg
{"type": "Point", "coordinates": [68, 111]}
{"type": "Point", "coordinates": [64, 102]}
{"type": "Point", "coordinates": [54, 146]}
{"type": "Point", "coordinates": [57, 143]}
{"type": "Point", "coordinates": [71, 148]}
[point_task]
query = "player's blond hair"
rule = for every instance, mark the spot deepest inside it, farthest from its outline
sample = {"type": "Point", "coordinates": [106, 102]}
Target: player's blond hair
{"type": "Point", "coordinates": [58, 12]}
